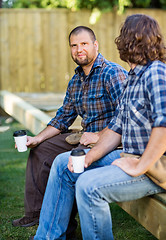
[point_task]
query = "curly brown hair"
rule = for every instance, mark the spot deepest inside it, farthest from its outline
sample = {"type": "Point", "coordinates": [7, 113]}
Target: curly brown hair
{"type": "Point", "coordinates": [140, 40]}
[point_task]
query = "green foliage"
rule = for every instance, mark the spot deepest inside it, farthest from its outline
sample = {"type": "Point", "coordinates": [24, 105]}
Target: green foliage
{"type": "Point", "coordinates": [163, 4]}
{"type": "Point", "coordinates": [21, 4]}
{"type": "Point", "coordinates": [104, 5]}
{"type": "Point", "coordinates": [26, 4]}
{"type": "Point", "coordinates": [72, 4]}
{"type": "Point", "coordinates": [123, 4]}
{"type": "Point", "coordinates": [141, 3]}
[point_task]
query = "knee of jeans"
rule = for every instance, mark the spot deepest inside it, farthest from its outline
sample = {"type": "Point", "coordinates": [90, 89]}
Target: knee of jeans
{"type": "Point", "coordinates": [82, 186]}
{"type": "Point", "coordinates": [60, 162]}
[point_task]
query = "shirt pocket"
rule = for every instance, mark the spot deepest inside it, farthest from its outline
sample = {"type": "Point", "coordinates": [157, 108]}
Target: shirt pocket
{"type": "Point", "coordinates": [138, 114]}
{"type": "Point", "coordinates": [95, 103]}
{"type": "Point", "coordinates": [96, 99]}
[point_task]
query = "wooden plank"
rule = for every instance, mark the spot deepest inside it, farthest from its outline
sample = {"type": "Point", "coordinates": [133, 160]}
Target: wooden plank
{"type": "Point", "coordinates": [31, 83]}
{"type": "Point", "coordinates": [4, 53]}
{"type": "Point", "coordinates": [22, 53]}
{"type": "Point", "coordinates": [43, 100]}
{"type": "Point", "coordinates": [48, 103]}
{"type": "Point", "coordinates": [13, 51]}
{"type": "Point", "coordinates": [62, 50]}
{"type": "Point", "coordinates": [46, 52]}
{"type": "Point", "coordinates": [161, 197]}
{"type": "Point", "coordinates": [149, 212]}
{"type": "Point", "coordinates": [31, 117]}
{"type": "Point", "coordinates": [38, 77]}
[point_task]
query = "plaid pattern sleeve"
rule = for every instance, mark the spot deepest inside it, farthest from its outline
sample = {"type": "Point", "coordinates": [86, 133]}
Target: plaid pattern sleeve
{"type": "Point", "coordinates": [67, 113]}
{"type": "Point", "coordinates": [156, 90]}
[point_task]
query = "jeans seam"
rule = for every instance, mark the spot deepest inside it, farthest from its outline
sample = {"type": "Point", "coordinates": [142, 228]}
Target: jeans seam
{"type": "Point", "coordinates": [51, 224]}
{"type": "Point", "coordinates": [60, 189]}
{"type": "Point", "coordinates": [129, 182]}
{"type": "Point", "coordinates": [93, 218]}
{"type": "Point", "coordinates": [122, 183]}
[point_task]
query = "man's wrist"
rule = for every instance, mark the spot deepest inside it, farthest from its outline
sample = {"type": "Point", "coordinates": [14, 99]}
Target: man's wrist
{"type": "Point", "coordinates": [91, 156]}
{"type": "Point", "coordinates": [39, 139]}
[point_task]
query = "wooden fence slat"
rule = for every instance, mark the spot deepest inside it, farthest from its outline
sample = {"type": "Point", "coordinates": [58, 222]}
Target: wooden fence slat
{"type": "Point", "coordinates": [4, 52]}
{"type": "Point", "coordinates": [30, 54]}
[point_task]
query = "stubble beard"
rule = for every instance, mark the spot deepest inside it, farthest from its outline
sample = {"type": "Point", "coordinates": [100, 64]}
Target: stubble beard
{"type": "Point", "coordinates": [83, 62]}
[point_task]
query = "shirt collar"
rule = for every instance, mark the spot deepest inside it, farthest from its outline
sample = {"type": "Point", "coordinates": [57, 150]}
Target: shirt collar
{"type": "Point", "coordinates": [139, 69]}
{"type": "Point", "coordinates": [98, 63]}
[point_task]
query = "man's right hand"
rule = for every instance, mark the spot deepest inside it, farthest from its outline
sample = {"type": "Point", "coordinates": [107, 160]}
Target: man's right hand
{"type": "Point", "coordinates": [32, 141]}
{"type": "Point", "coordinates": [89, 138]}
{"type": "Point", "coordinates": [47, 133]}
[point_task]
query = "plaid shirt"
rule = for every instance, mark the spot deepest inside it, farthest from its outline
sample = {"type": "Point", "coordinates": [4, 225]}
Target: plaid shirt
{"type": "Point", "coordinates": [93, 97]}
{"type": "Point", "coordinates": [142, 107]}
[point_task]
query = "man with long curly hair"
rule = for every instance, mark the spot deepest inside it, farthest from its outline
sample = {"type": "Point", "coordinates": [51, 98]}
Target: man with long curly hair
{"type": "Point", "coordinates": [139, 122]}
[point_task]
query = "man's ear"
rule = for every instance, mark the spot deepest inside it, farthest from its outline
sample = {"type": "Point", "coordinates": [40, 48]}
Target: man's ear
{"type": "Point", "coordinates": [96, 45]}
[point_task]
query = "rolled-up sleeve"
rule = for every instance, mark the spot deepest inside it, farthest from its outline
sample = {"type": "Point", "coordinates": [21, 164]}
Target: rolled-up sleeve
{"type": "Point", "coordinates": [156, 86]}
{"type": "Point", "coordinates": [65, 115]}
{"type": "Point", "coordinates": [116, 123]}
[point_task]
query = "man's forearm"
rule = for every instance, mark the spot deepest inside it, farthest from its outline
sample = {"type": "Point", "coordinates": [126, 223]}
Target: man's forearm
{"type": "Point", "coordinates": [154, 150]}
{"type": "Point", "coordinates": [107, 142]}
{"type": "Point", "coordinates": [102, 131]}
{"type": "Point", "coordinates": [47, 133]}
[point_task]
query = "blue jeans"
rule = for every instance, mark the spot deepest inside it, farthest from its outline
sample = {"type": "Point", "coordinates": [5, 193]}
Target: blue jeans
{"type": "Point", "coordinates": [97, 188]}
{"type": "Point", "coordinates": [100, 184]}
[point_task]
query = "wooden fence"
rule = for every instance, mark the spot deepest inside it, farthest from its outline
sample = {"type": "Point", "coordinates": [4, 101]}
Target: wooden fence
{"type": "Point", "coordinates": [34, 50]}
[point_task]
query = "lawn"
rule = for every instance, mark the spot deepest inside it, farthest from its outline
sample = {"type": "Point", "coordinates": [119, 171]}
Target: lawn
{"type": "Point", "coordinates": [12, 180]}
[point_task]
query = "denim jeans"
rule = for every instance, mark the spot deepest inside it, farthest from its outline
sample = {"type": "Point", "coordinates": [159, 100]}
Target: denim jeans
{"type": "Point", "coordinates": [96, 188]}
{"type": "Point", "coordinates": [59, 196]}
{"type": "Point", "coordinates": [99, 185]}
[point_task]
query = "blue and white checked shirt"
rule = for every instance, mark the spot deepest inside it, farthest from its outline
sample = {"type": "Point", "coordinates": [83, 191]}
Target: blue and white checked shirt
{"type": "Point", "coordinates": [142, 107]}
{"type": "Point", "coordinates": [93, 97]}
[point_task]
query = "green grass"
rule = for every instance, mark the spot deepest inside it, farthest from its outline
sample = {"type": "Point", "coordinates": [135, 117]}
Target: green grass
{"type": "Point", "coordinates": [12, 180]}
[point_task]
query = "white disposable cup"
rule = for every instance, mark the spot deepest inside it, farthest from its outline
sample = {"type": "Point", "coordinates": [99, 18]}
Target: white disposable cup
{"type": "Point", "coordinates": [78, 161]}
{"type": "Point", "coordinates": [20, 138]}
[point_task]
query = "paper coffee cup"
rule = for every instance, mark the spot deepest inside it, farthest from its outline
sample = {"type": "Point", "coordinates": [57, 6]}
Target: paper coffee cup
{"type": "Point", "coordinates": [78, 160]}
{"type": "Point", "coordinates": [20, 138]}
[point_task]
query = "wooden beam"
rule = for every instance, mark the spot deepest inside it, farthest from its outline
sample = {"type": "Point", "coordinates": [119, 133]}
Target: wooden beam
{"type": "Point", "coordinates": [32, 118]}
{"type": "Point", "coordinates": [150, 213]}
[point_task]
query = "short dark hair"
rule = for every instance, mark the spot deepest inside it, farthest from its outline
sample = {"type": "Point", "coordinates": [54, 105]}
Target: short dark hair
{"type": "Point", "coordinates": [79, 29]}
{"type": "Point", "coordinates": [140, 40]}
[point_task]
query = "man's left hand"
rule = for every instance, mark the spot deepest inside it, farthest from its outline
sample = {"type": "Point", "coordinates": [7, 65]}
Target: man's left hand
{"type": "Point", "coordinates": [128, 165]}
